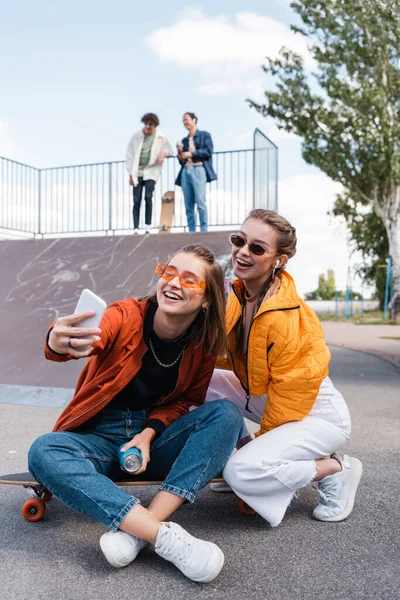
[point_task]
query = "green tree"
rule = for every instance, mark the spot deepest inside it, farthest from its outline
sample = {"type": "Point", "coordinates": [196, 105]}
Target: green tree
{"type": "Point", "coordinates": [369, 236]}
{"type": "Point", "coordinates": [347, 111]}
{"type": "Point", "coordinates": [326, 287]}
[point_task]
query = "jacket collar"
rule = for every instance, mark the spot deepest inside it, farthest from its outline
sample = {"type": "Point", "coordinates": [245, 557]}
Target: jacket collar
{"type": "Point", "coordinates": [157, 133]}
{"type": "Point", "coordinates": [286, 298]}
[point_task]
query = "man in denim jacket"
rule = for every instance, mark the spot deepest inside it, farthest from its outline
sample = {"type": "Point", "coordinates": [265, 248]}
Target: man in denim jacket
{"type": "Point", "coordinates": [195, 156]}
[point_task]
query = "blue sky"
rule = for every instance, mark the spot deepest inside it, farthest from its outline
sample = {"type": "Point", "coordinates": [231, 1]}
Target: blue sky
{"type": "Point", "coordinates": [77, 76]}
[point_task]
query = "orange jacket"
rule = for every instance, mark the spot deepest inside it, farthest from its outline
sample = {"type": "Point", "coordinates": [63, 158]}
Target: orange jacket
{"type": "Point", "coordinates": [287, 358]}
{"type": "Point", "coordinates": [116, 359]}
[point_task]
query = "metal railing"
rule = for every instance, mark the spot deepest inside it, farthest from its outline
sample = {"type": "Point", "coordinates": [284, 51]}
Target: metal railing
{"type": "Point", "coordinates": [97, 198]}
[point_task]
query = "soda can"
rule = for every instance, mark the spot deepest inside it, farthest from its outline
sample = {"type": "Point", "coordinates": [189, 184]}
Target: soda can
{"type": "Point", "coordinates": [130, 460]}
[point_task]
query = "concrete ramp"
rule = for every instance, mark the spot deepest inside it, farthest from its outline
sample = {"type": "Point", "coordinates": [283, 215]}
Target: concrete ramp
{"type": "Point", "coordinates": [42, 279]}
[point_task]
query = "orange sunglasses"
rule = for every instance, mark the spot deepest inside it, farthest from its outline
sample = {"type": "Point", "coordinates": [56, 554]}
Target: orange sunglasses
{"type": "Point", "coordinates": [187, 279]}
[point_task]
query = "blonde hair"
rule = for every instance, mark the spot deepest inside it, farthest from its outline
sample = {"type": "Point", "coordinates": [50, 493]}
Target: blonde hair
{"type": "Point", "coordinates": [286, 244]}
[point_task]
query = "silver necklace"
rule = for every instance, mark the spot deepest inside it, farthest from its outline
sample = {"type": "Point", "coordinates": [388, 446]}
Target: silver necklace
{"type": "Point", "coordinates": [159, 361]}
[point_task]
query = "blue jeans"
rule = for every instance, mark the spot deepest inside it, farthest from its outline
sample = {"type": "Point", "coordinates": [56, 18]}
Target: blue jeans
{"type": "Point", "coordinates": [77, 466]}
{"type": "Point", "coordinates": [194, 192]}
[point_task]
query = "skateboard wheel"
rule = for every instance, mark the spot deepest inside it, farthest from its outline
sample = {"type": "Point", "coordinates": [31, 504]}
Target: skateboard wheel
{"type": "Point", "coordinates": [33, 510]}
{"type": "Point", "coordinates": [245, 509]}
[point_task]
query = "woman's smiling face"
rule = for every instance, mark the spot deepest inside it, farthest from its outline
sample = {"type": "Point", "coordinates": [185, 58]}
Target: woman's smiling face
{"type": "Point", "coordinates": [174, 298]}
{"type": "Point", "coordinates": [254, 270]}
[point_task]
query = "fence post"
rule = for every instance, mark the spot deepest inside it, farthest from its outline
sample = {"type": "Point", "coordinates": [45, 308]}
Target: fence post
{"type": "Point", "coordinates": [254, 168]}
{"type": "Point", "coordinates": [387, 286]}
{"type": "Point", "coordinates": [40, 202]}
{"type": "Point", "coordinates": [110, 196]}
{"type": "Point", "coordinates": [276, 178]}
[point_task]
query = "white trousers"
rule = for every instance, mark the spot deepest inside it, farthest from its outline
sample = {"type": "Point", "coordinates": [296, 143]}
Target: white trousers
{"type": "Point", "coordinates": [268, 471]}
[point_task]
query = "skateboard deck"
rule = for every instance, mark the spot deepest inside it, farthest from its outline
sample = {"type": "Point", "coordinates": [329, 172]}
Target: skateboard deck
{"type": "Point", "coordinates": [167, 212]}
{"type": "Point", "coordinates": [33, 510]}
{"type": "Point", "coordinates": [28, 480]}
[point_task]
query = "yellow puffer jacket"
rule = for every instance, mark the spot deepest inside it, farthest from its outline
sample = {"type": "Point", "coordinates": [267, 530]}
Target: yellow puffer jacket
{"type": "Point", "coordinates": [287, 357]}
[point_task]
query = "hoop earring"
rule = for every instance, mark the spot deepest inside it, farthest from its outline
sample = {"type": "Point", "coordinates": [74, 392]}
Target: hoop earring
{"type": "Point", "coordinates": [204, 309]}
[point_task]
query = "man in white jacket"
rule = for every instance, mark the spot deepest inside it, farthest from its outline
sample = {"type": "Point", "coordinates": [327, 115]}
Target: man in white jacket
{"type": "Point", "coordinates": [145, 155]}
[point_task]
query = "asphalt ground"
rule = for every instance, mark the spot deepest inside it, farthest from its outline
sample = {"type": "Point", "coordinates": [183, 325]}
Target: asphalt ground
{"type": "Point", "coordinates": [60, 558]}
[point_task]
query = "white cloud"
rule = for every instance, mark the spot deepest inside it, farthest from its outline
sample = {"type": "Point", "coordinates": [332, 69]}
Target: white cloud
{"type": "Point", "coordinates": [227, 52]}
{"type": "Point", "coordinates": [322, 240]}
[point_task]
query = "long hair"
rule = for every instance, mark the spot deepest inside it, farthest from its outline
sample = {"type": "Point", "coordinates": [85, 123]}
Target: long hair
{"type": "Point", "coordinates": [208, 329]}
{"type": "Point", "coordinates": [286, 244]}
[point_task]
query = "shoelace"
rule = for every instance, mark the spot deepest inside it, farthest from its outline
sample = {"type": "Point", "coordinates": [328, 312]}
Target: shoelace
{"type": "Point", "coordinates": [328, 489]}
{"type": "Point", "coordinates": [179, 547]}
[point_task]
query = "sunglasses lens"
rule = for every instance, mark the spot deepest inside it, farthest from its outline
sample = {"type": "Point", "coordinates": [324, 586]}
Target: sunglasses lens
{"type": "Point", "coordinates": [190, 280]}
{"type": "Point", "coordinates": [170, 272]}
{"type": "Point", "coordinates": [237, 241]}
{"type": "Point", "coordinates": [257, 249]}
{"type": "Point", "coordinates": [165, 271]}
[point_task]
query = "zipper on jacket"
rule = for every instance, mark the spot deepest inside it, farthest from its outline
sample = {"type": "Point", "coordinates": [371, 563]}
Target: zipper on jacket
{"type": "Point", "coordinates": [245, 389]}
{"type": "Point", "coordinates": [248, 337]}
{"type": "Point", "coordinates": [247, 403]}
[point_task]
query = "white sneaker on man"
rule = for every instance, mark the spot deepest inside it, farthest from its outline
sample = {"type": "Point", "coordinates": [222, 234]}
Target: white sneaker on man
{"type": "Point", "coordinates": [148, 228]}
{"type": "Point", "coordinates": [338, 491]}
{"type": "Point", "coordinates": [199, 560]}
{"type": "Point", "coordinates": [136, 231]}
{"type": "Point", "coordinates": [120, 548]}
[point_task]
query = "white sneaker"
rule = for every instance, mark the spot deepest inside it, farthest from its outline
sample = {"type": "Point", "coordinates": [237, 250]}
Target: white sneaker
{"type": "Point", "coordinates": [221, 487]}
{"type": "Point", "coordinates": [148, 228]}
{"type": "Point", "coordinates": [136, 231]}
{"type": "Point", "coordinates": [199, 560]}
{"type": "Point", "coordinates": [338, 491]}
{"type": "Point", "coordinates": [120, 548]}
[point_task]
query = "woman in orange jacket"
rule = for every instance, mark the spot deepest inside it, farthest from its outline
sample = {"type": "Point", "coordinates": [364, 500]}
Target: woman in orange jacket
{"type": "Point", "coordinates": [150, 361]}
{"type": "Point", "coordinates": [278, 378]}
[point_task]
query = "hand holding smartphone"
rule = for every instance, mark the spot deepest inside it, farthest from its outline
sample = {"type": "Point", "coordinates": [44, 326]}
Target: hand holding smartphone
{"type": "Point", "coordinates": [88, 301]}
{"type": "Point", "coordinates": [75, 333]}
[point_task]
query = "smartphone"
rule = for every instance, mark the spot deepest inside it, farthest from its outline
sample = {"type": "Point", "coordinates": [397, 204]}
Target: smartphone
{"type": "Point", "coordinates": [89, 301]}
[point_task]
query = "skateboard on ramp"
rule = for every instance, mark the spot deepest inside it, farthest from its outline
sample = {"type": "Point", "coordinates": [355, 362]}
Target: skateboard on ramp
{"type": "Point", "coordinates": [167, 212]}
{"type": "Point", "coordinates": [35, 507]}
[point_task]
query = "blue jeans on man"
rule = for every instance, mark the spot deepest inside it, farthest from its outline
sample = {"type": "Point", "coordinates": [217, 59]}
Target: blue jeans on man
{"type": "Point", "coordinates": [194, 192]}
{"type": "Point", "coordinates": [78, 466]}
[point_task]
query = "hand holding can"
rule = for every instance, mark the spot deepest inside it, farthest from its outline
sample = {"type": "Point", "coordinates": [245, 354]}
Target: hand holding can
{"type": "Point", "coordinates": [130, 460]}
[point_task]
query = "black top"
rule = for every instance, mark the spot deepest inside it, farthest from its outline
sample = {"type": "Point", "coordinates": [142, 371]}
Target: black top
{"type": "Point", "coordinates": [153, 380]}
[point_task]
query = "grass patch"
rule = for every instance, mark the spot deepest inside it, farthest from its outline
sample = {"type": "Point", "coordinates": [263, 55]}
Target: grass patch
{"type": "Point", "coordinates": [388, 337]}
{"type": "Point", "coordinates": [372, 317]}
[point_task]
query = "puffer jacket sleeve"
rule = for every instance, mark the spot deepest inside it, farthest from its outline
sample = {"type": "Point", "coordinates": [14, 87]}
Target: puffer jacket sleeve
{"type": "Point", "coordinates": [296, 374]}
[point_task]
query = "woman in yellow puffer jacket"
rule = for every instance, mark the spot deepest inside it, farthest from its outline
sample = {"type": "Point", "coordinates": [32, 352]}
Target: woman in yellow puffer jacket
{"type": "Point", "coordinates": [276, 372]}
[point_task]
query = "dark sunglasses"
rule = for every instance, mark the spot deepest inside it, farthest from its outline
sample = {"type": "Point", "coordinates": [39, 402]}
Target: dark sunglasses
{"type": "Point", "coordinates": [239, 242]}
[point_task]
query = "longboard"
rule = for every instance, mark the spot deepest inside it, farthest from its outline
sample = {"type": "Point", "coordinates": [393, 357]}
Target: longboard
{"type": "Point", "coordinates": [167, 212]}
{"type": "Point", "coordinates": [33, 510]}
